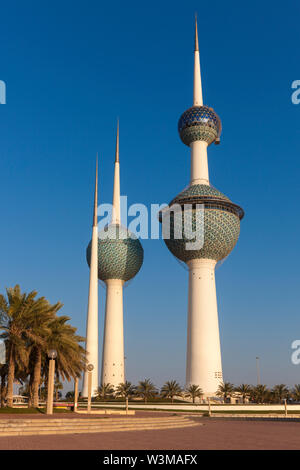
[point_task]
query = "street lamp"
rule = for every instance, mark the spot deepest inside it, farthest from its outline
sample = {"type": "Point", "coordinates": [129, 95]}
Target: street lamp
{"type": "Point", "coordinates": [75, 394]}
{"type": "Point", "coordinates": [285, 407]}
{"type": "Point", "coordinates": [52, 354]}
{"type": "Point", "coordinates": [90, 369]}
{"type": "Point", "coordinates": [257, 370]}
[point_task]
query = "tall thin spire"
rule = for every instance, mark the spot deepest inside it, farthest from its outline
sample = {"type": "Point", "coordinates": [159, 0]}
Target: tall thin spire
{"type": "Point", "coordinates": [116, 215]}
{"type": "Point", "coordinates": [91, 344]}
{"type": "Point", "coordinates": [198, 100]}
{"type": "Point", "coordinates": [96, 195]}
{"type": "Point", "coordinates": [196, 34]}
{"type": "Point", "coordinates": [117, 144]}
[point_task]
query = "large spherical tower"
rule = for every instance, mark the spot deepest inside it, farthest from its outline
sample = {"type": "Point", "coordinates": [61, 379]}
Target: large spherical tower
{"type": "Point", "coordinates": [203, 226]}
{"type": "Point", "coordinates": [120, 257]}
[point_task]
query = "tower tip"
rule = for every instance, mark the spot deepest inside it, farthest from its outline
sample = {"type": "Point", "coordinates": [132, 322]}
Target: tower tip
{"type": "Point", "coordinates": [117, 159]}
{"type": "Point", "coordinates": [198, 99]}
{"type": "Point", "coordinates": [196, 34]}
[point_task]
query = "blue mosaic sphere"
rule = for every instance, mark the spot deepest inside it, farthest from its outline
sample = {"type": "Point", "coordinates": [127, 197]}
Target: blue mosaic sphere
{"type": "Point", "coordinates": [216, 227]}
{"type": "Point", "coordinates": [199, 123]}
{"type": "Point", "coordinates": [120, 253]}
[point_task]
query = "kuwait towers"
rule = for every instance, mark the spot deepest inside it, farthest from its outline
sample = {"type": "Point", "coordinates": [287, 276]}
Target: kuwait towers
{"type": "Point", "coordinates": [120, 257]}
{"type": "Point", "coordinates": [218, 230]}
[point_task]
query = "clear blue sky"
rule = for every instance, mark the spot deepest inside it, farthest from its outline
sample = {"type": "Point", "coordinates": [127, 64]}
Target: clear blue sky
{"type": "Point", "coordinates": [73, 67]}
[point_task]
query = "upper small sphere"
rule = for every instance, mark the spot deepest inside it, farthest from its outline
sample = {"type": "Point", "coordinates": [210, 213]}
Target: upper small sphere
{"type": "Point", "coordinates": [199, 123]}
{"type": "Point", "coordinates": [120, 253]}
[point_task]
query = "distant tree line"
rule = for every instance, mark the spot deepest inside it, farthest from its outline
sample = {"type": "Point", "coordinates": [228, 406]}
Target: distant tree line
{"type": "Point", "coordinates": [259, 393]}
{"type": "Point", "coordinates": [171, 390]}
{"type": "Point", "coordinates": [146, 390]}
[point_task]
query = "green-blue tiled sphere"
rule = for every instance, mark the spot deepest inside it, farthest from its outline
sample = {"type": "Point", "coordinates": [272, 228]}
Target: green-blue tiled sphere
{"type": "Point", "coordinates": [221, 224]}
{"type": "Point", "coordinates": [120, 253]}
{"type": "Point", "coordinates": [199, 123]}
{"type": "Point", "coordinates": [199, 191]}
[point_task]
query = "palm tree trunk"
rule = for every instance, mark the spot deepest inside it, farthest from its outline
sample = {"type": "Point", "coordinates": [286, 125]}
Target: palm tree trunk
{"type": "Point", "coordinates": [30, 391]}
{"type": "Point", "coordinates": [2, 390]}
{"type": "Point", "coordinates": [37, 377]}
{"type": "Point", "coordinates": [29, 396]}
{"type": "Point", "coordinates": [10, 378]}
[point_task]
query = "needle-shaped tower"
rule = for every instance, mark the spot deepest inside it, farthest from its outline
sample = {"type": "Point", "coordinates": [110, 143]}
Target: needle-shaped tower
{"type": "Point", "coordinates": [92, 315]}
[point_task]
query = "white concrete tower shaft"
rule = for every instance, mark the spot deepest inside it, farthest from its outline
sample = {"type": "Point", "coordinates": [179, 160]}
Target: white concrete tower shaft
{"type": "Point", "coordinates": [92, 314]}
{"type": "Point", "coordinates": [113, 369]}
{"type": "Point", "coordinates": [204, 366]}
{"type": "Point", "coordinates": [199, 165]}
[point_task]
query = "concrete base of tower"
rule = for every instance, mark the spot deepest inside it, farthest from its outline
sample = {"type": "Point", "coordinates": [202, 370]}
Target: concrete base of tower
{"type": "Point", "coordinates": [95, 385]}
{"type": "Point", "coordinates": [113, 370]}
{"type": "Point", "coordinates": [204, 366]}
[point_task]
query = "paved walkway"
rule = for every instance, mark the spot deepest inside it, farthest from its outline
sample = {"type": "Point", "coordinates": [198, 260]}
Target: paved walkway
{"type": "Point", "coordinates": [215, 434]}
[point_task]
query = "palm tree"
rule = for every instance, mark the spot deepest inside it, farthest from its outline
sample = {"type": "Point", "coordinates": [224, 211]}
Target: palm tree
{"type": "Point", "coordinates": [125, 390]}
{"type": "Point", "coordinates": [194, 391]}
{"type": "Point", "coordinates": [279, 392]}
{"type": "Point", "coordinates": [244, 390]}
{"type": "Point", "coordinates": [225, 390]}
{"type": "Point", "coordinates": [105, 391]}
{"type": "Point", "coordinates": [71, 357]}
{"type": "Point", "coordinates": [42, 315]}
{"type": "Point", "coordinates": [15, 312]}
{"type": "Point", "coordinates": [260, 394]}
{"type": "Point", "coordinates": [30, 327]}
{"type": "Point", "coordinates": [146, 389]}
{"type": "Point", "coordinates": [296, 392]}
{"type": "Point", "coordinates": [171, 389]}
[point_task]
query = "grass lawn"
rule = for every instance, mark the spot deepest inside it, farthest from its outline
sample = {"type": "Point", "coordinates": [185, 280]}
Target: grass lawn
{"type": "Point", "coordinates": [117, 401]}
{"type": "Point", "coordinates": [205, 412]}
{"type": "Point", "coordinates": [30, 411]}
{"type": "Point", "coordinates": [19, 411]}
{"type": "Point", "coordinates": [257, 412]}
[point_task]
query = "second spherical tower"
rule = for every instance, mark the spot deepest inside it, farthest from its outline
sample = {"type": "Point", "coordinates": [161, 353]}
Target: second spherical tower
{"type": "Point", "coordinates": [120, 257]}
